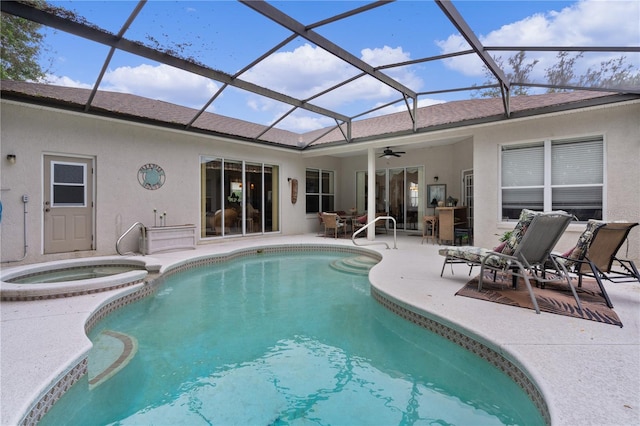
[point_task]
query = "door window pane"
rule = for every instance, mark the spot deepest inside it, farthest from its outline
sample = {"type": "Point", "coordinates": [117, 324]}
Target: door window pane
{"type": "Point", "coordinates": [253, 200]}
{"type": "Point", "coordinates": [68, 186]}
{"type": "Point", "coordinates": [362, 186]}
{"type": "Point", "coordinates": [68, 173]}
{"type": "Point", "coordinates": [397, 196]}
{"type": "Point", "coordinates": [414, 209]}
{"type": "Point", "coordinates": [68, 195]}
{"type": "Point", "coordinates": [381, 191]}
{"type": "Point", "coordinates": [211, 196]}
{"type": "Point", "coordinates": [272, 197]}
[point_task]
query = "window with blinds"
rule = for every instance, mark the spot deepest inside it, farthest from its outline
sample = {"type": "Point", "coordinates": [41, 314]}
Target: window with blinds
{"type": "Point", "coordinates": [554, 175]}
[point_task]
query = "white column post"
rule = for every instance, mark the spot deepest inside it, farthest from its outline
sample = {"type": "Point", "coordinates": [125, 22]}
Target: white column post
{"type": "Point", "coordinates": [371, 192]}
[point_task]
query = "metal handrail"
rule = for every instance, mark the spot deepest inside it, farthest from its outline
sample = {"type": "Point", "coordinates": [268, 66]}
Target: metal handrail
{"type": "Point", "coordinates": [131, 228]}
{"type": "Point", "coordinates": [395, 240]}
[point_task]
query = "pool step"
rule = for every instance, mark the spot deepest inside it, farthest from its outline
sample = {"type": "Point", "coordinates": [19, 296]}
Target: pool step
{"type": "Point", "coordinates": [111, 352]}
{"type": "Point", "coordinates": [354, 265]}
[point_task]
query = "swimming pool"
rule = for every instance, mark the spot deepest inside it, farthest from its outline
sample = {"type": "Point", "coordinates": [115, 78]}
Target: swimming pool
{"type": "Point", "coordinates": [286, 339]}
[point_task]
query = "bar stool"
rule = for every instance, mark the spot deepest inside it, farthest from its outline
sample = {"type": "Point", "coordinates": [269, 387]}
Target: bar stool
{"type": "Point", "coordinates": [430, 230]}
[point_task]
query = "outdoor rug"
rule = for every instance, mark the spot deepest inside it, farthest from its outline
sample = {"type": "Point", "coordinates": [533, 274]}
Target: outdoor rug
{"type": "Point", "coordinates": [555, 298]}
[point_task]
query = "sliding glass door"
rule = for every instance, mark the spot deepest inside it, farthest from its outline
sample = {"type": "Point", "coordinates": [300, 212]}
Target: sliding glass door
{"type": "Point", "coordinates": [399, 194]}
{"type": "Point", "coordinates": [238, 198]}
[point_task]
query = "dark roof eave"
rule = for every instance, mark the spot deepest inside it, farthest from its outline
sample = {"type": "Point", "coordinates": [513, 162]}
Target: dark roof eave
{"type": "Point", "coordinates": [616, 98]}
{"type": "Point", "coordinates": [101, 112]}
{"type": "Point", "coordinates": [494, 118]}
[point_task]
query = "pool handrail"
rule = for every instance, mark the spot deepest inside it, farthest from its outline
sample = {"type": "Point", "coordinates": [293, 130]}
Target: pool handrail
{"type": "Point", "coordinates": [131, 228]}
{"type": "Point", "coordinates": [395, 240]}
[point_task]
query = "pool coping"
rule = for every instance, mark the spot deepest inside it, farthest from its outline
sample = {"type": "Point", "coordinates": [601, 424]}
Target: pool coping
{"type": "Point", "coordinates": [383, 287]}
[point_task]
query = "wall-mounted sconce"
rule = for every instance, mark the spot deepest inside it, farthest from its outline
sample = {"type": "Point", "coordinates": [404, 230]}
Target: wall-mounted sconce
{"type": "Point", "coordinates": [11, 158]}
{"type": "Point", "coordinates": [435, 178]}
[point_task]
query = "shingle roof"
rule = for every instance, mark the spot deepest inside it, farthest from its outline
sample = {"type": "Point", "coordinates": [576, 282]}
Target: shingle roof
{"type": "Point", "coordinates": [450, 114]}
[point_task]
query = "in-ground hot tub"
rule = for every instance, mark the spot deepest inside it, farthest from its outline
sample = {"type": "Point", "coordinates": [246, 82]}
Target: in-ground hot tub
{"type": "Point", "coordinates": [71, 277]}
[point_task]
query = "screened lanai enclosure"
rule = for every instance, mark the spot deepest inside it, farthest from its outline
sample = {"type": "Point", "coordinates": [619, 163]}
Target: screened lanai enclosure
{"type": "Point", "coordinates": [346, 60]}
{"type": "Point", "coordinates": [367, 87]}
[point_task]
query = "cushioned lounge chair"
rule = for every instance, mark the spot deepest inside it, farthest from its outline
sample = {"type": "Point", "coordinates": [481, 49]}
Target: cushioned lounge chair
{"type": "Point", "coordinates": [595, 255]}
{"type": "Point", "coordinates": [526, 254]}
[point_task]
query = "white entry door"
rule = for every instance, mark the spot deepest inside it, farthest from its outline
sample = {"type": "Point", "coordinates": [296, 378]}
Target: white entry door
{"type": "Point", "coordinates": [68, 204]}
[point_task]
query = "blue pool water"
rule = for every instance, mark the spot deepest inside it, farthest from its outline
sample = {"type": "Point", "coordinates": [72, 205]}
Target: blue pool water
{"type": "Point", "coordinates": [286, 339]}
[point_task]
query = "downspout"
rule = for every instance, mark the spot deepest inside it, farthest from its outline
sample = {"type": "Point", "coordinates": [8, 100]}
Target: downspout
{"type": "Point", "coordinates": [25, 200]}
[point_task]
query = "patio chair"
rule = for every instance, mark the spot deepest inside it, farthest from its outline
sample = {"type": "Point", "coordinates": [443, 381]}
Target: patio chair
{"type": "Point", "coordinates": [381, 225]}
{"type": "Point", "coordinates": [430, 229]}
{"type": "Point", "coordinates": [332, 222]}
{"type": "Point", "coordinates": [595, 255]}
{"type": "Point", "coordinates": [321, 229]}
{"type": "Point", "coordinates": [526, 255]}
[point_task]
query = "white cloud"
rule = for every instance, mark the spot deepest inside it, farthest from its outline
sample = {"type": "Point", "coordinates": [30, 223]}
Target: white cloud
{"type": "Point", "coordinates": [402, 107]}
{"type": "Point", "coordinates": [65, 81]}
{"type": "Point", "coordinates": [303, 124]}
{"type": "Point", "coordinates": [308, 70]}
{"type": "Point", "coordinates": [384, 55]}
{"type": "Point", "coordinates": [161, 82]}
{"type": "Point", "coordinates": [300, 73]}
{"type": "Point", "coordinates": [584, 23]}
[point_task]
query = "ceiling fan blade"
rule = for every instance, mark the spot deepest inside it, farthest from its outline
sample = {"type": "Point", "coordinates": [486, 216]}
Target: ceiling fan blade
{"type": "Point", "coordinates": [389, 153]}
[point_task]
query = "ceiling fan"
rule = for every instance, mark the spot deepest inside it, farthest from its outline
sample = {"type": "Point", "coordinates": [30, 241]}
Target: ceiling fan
{"type": "Point", "coordinates": [388, 153]}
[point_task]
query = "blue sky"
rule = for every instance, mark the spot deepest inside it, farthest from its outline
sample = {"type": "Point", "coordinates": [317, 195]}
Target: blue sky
{"type": "Point", "coordinates": [227, 35]}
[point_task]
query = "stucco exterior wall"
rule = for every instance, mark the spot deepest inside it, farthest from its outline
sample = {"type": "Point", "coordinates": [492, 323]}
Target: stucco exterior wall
{"type": "Point", "coordinates": [119, 149]}
{"type": "Point", "coordinates": [620, 126]}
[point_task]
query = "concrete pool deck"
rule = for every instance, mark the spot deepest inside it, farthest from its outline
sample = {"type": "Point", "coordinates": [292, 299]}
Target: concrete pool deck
{"type": "Point", "coordinates": [589, 372]}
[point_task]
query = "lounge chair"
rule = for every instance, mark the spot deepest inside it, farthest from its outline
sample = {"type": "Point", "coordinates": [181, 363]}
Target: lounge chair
{"type": "Point", "coordinates": [527, 253]}
{"type": "Point", "coordinates": [595, 255]}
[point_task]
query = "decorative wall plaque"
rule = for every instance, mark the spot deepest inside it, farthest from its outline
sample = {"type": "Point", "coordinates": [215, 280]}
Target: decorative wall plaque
{"type": "Point", "coordinates": [151, 176]}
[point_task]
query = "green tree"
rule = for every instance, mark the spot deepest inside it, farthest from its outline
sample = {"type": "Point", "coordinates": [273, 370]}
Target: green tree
{"type": "Point", "coordinates": [520, 71]}
{"type": "Point", "coordinates": [612, 73]}
{"type": "Point", "coordinates": [22, 47]}
{"type": "Point", "coordinates": [562, 72]}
